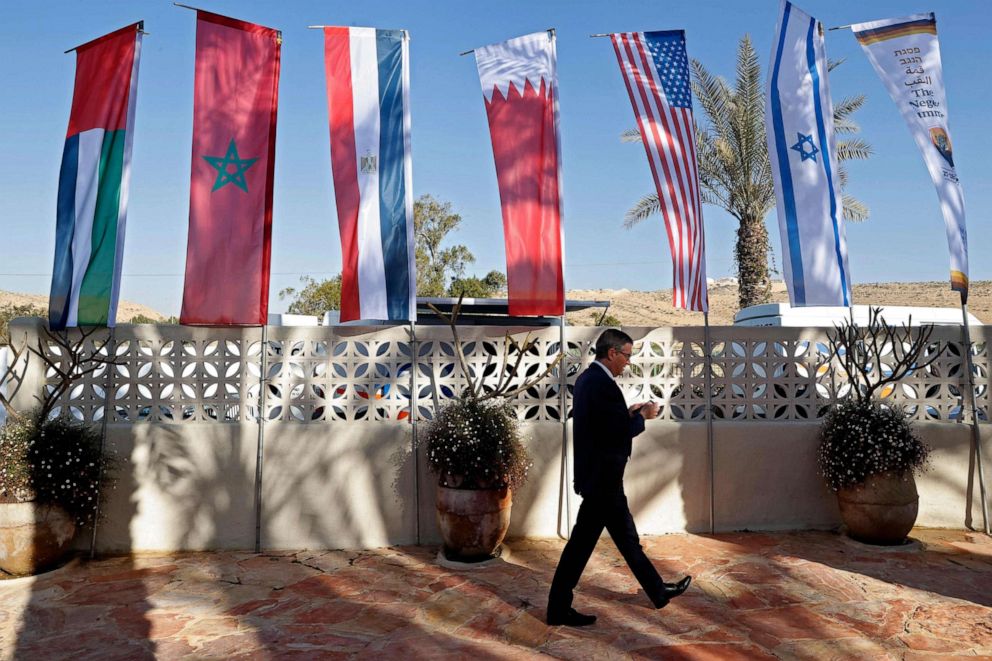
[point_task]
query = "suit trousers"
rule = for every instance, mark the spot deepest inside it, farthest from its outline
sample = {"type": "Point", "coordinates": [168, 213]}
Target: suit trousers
{"type": "Point", "coordinates": [604, 507]}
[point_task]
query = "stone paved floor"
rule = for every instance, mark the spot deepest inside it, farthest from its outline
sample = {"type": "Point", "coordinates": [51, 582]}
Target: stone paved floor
{"type": "Point", "coordinates": [813, 595]}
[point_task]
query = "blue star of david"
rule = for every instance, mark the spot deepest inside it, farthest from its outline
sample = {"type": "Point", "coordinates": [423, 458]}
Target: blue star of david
{"type": "Point", "coordinates": [800, 147]}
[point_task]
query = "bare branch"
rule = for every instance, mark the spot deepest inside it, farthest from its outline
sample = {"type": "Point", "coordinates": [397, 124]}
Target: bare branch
{"type": "Point", "coordinates": [865, 346]}
{"type": "Point", "coordinates": [452, 321]}
{"type": "Point", "coordinates": [529, 384]}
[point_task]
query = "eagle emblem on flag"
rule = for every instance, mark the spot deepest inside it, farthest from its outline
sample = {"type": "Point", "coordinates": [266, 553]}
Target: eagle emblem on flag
{"type": "Point", "coordinates": [368, 163]}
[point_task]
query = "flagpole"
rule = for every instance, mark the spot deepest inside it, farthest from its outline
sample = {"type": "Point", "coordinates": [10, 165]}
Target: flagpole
{"type": "Point", "coordinates": [261, 437]}
{"type": "Point", "coordinates": [550, 31]}
{"type": "Point", "coordinates": [414, 352]}
{"type": "Point", "coordinates": [107, 402]}
{"type": "Point", "coordinates": [140, 29]}
{"type": "Point", "coordinates": [207, 11]}
{"type": "Point", "coordinates": [975, 432]}
{"type": "Point", "coordinates": [564, 483]}
{"type": "Point", "coordinates": [708, 366]}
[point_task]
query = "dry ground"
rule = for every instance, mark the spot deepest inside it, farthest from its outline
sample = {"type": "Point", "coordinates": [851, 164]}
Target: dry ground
{"type": "Point", "coordinates": [125, 309]}
{"type": "Point", "coordinates": [654, 308]}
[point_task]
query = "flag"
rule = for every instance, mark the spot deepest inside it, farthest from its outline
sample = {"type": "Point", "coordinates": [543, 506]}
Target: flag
{"type": "Point", "coordinates": [656, 70]}
{"type": "Point", "coordinates": [368, 104]}
{"type": "Point", "coordinates": [93, 182]}
{"type": "Point", "coordinates": [235, 95]}
{"type": "Point", "coordinates": [803, 154]}
{"type": "Point", "coordinates": [906, 55]}
{"type": "Point", "coordinates": [520, 89]}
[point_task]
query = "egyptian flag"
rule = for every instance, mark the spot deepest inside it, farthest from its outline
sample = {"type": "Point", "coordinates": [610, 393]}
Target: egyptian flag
{"type": "Point", "coordinates": [368, 105]}
{"type": "Point", "coordinates": [520, 86]}
{"type": "Point", "coordinates": [93, 182]}
{"type": "Point", "coordinates": [235, 95]}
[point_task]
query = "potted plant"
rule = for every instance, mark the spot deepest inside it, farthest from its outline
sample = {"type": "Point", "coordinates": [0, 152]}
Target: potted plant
{"type": "Point", "coordinates": [474, 446]}
{"type": "Point", "coordinates": [52, 470]}
{"type": "Point", "coordinates": [869, 450]}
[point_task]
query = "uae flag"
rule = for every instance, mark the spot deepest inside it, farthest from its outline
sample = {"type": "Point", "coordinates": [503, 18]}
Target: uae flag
{"type": "Point", "coordinates": [93, 182]}
{"type": "Point", "coordinates": [520, 86]}
{"type": "Point", "coordinates": [235, 95]}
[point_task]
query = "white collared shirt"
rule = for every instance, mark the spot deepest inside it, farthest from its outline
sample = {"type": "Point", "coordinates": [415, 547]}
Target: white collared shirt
{"type": "Point", "coordinates": [606, 368]}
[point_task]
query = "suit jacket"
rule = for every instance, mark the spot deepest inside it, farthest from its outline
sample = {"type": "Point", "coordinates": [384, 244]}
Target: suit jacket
{"type": "Point", "coordinates": [602, 430]}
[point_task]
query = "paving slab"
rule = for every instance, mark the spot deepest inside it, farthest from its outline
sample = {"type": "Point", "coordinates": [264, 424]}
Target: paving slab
{"type": "Point", "coordinates": [790, 595]}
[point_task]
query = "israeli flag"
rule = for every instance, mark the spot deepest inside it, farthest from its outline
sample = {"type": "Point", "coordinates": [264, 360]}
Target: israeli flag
{"type": "Point", "coordinates": [801, 147]}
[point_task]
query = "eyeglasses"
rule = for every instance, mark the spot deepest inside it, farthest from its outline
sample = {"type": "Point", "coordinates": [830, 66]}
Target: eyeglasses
{"type": "Point", "coordinates": [624, 354]}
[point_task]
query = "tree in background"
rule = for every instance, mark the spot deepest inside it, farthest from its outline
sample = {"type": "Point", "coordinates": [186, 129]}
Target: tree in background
{"type": "Point", "coordinates": [440, 270]}
{"type": "Point", "coordinates": [315, 298]}
{"type": "Point", "coordinates": [433, 220]}
{"type": "Point", "coordinates": [734, 170]}
{"type": "Point", "coordinates": [474, 287]}
{"type": "Point", "coordinates": [145, 319]}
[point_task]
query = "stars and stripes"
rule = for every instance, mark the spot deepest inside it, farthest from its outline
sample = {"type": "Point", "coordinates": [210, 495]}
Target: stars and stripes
{"type": "Point", "coordinates": [656, 71]}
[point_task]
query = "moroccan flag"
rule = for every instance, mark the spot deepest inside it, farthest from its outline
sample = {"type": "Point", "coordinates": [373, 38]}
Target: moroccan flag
{"type": "Point", "coordinates": [235, 95]}
{"type": "Point", "coordinates": [93, 182]}
{"type": "Point", "coordinates": [368, 104]}
{"type": "Point", "coordinates": [520, 86]}
{"type": "Point", "coordinates": [906, 55]}
{"type": "Point", "coordinates": [803, 154]}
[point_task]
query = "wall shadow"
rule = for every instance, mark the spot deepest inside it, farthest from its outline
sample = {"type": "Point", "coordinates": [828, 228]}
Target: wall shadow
{"type": "Point", "coordinates": [102, 603]}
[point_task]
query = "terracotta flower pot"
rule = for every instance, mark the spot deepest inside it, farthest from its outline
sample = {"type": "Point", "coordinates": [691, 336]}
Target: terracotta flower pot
{"type": "Point", "coordinates": [33, 537]}
{"type": "Point", "coordinates": [882, 510]}
{"type": "Point", "coordinates": [473, 522]}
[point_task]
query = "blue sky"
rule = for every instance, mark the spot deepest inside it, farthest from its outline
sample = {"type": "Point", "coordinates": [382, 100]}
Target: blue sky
{"type": "Point", "coordinates": [904, 240]}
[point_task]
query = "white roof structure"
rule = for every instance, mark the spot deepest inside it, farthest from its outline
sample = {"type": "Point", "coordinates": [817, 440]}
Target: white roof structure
{"type": "Point", "coordinates": [783, 314]}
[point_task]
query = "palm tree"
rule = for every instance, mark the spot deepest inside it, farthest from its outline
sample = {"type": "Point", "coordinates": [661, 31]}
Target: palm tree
{"type": "Point", "coordinates": [734, 171]}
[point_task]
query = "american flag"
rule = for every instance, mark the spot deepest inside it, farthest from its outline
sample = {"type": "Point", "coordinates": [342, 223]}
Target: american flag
{"type": "Point", "coordinates": [656, 71]}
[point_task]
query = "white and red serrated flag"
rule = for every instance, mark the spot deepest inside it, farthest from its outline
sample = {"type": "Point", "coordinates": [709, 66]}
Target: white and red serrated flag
{"type": "Point", "coordinates": [520, 86]}
{"type": "Point", "coordinates": [656, 70]}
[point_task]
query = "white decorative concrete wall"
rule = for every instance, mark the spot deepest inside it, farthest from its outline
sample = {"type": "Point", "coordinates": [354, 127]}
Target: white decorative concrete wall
{"type": "Point", "coordinates": [341, 405]}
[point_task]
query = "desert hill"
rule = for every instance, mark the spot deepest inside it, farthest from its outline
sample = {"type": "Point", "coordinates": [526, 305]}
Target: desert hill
{"type": "Point", "coordinates": [125, 309]}
{"type": "Point", "coordinates": [654, 308]}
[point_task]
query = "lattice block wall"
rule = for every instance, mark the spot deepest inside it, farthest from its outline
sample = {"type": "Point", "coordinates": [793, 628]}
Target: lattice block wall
{"type": "Point", "coordinates": [177, 374]}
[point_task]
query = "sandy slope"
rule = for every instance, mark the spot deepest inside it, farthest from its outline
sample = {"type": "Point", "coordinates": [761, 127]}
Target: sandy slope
{"type": "Point", "coordinates": [125, 309]}
{"type": "Point", "coordinates": [654, 308]}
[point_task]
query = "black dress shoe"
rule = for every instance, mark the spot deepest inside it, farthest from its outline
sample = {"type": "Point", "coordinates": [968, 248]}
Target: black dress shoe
{"type": "Point", "coordinates": [670, 591]}
{"type": "Point", "coordinates": [570, 618]}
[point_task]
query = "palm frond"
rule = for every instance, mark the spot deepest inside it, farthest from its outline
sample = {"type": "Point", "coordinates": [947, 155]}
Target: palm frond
{"type": "Point", "coordinates": [855, 149]}
{"type": "Point", "coordinates": [855, 210]}
{"type": "Point", "coordinates": [833, 64]}
{"type": "Point", "coordinates": [713, 96]}
{"type": "Point", "coordinates": [646, 207]}
{"type": "Point", "coordinates": [848, 105]}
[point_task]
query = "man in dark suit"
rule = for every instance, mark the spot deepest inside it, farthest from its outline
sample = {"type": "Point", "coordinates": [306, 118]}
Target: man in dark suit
{"type": "Point", "coordinates": [603, 428]}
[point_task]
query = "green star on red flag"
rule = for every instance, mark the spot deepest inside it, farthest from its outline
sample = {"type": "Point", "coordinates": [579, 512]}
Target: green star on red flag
{"type": "Point", "coordinates": [222, 165]}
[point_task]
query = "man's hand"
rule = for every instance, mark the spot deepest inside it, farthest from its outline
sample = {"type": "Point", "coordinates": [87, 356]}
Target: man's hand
{"type": "Point", "coordinates": [649, 410]}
